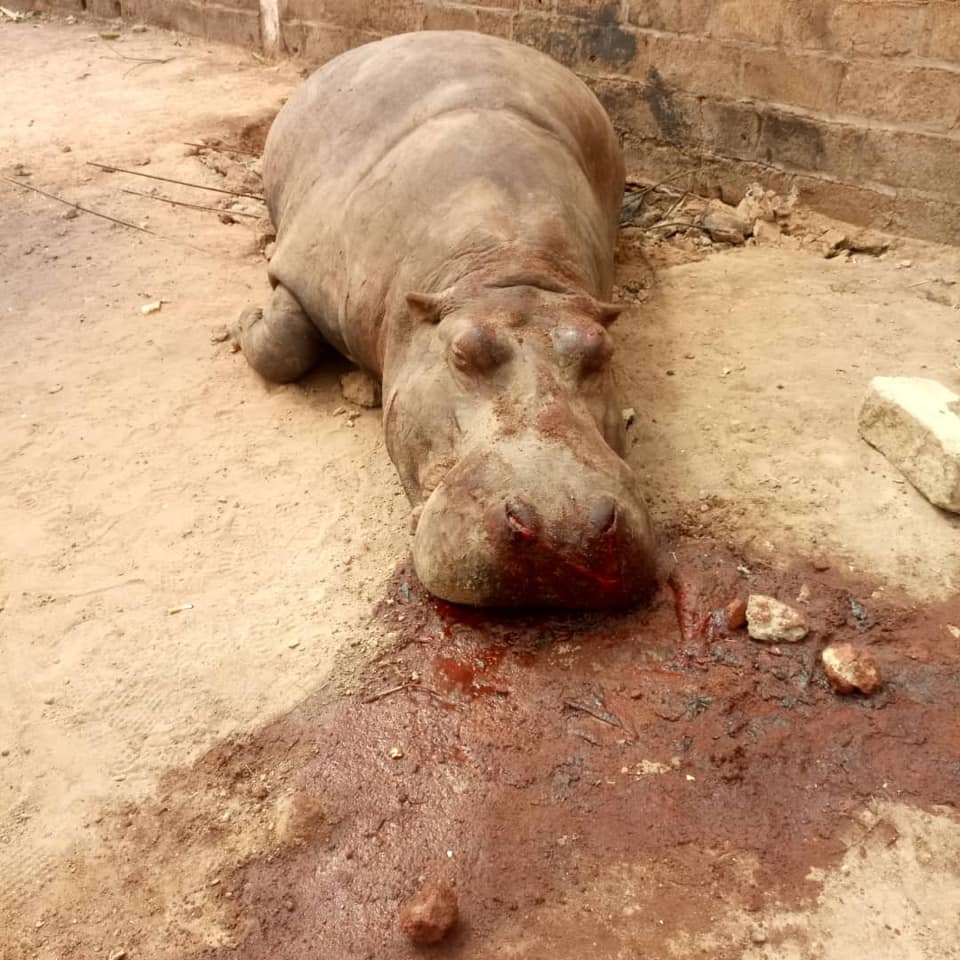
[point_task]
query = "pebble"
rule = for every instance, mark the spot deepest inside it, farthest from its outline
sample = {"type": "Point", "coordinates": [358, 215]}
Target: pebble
{"type": "Point", "coordinates": [219, 334]}
{"type": "Point", "coordinates": [821, 565]}
{"type": "Point", "coordinates": [849, 668]}
{"type": "Point", "coordinates": [629, 415]}
{"type": "Point", "coordinates": [430, 914]}
{"type": "Point", "coordinates": [71, 213]}
{"type": "Point", "coordinates": [735, 613]}
{"type": "Point", "coordinates": [770, 621]}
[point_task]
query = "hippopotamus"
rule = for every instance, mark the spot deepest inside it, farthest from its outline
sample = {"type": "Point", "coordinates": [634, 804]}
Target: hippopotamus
{"type": "Point", "coordinates": [446, 207]}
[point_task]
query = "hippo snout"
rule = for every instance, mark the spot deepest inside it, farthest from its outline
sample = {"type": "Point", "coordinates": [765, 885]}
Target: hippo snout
{"type": "Point", "coordinates": [505, 531]}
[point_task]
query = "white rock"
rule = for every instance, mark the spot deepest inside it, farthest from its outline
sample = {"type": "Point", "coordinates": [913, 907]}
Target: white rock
{"type": "Point", "coordinates": [360, 388]}
{"type": "Point", "coordinates": [771, 621]}
{"type": "Point", "coordinates": [915, 424]}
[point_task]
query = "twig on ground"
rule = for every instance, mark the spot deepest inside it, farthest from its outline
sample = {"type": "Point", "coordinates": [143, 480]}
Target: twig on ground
{"type": "Point", "coordinates": [68, 203]}
{"type": "Point", "coordinates": [110, 168]}
{"type": "Point", "coordinates": [193, 206]}
{"type": "Point", "coordinates": [220, 146]}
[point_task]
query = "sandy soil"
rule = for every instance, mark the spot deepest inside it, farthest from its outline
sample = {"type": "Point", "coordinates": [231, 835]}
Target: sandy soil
{"type": "Point", "coordinates": [145, 468]}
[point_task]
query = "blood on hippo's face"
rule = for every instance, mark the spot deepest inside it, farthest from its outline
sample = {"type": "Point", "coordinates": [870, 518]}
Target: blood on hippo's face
{"type": "Point", "coordinates": [502, 419]}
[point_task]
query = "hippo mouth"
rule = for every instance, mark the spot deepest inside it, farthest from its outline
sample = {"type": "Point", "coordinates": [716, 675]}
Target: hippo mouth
{"type": "Point", "coordinates": [605, 578]}
{"type": "Point", "coordinates": [577, 542]}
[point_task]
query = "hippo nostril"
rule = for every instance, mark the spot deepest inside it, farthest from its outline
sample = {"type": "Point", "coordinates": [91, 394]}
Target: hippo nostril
{"type": "Point", "coordinates": [603, 515]}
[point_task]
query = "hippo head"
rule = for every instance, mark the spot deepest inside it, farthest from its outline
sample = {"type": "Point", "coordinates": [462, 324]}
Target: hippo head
{"type": "Point", "coordinates": [500, 415]}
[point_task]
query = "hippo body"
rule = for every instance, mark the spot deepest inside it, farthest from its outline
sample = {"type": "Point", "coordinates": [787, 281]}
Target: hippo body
{"type": "Point", "coordinates": [446, 206]}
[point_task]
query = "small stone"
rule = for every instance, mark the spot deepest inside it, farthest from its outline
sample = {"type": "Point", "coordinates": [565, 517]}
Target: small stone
{"type": "Point", "coordinates": [724, 224]}
{"type": "Point", "coordinates": [226, 217]}
{"type": "Point", "coordinates": [767, 232]}
{"type": "Point", "coordinates": [219, 334]}
{"type": "Point", "coordinates": [953, 631]}
{"type": "Point", "coordinates": [66, 149]}
{"type": "Point", "coordinates": [820, 565]}
{"type": "Point", "coordinates": [269, 250]}
{"type": "Point", "coordinates": [849, 668]}
{"type": "Point", "coordinates": [71, 213]}
{"type": "Point", "coordinates": [138, 28]}
{"type": "Point", "coordinates": [153, 307]}
{"type": "Point", "coordinates": [118, 955]}
{"type": "Point", "coordinates": [360, 388]}
{"type": "Point", "coordinates": [915, 423]}
{"type": "Point", "coordinates": [396, 753]}
{"type": "Point", "coordinates": [770, 621]}
{"type": "Point", "coordinates": [629, 415]}
{"type": "Point", "coordinates": [834, 242]}
{"type": "Point", "coordinates": [430, 914]}
{"type": "Point", "coordinates": [735, 613]}
{"type": "Point", "coordinates": [758, 936]}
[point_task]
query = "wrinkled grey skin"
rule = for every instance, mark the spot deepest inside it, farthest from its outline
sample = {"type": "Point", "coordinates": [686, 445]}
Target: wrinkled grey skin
{"type": "Point", "coordinates": [446, 207]}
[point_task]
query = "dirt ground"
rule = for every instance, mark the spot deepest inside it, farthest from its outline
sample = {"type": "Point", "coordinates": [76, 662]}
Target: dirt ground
{"type": "Point", "coordinates": [199, 589]}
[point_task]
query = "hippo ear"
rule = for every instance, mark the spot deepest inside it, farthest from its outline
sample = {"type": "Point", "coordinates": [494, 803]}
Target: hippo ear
{"type": "Point", "coordinates": [608, 312]}
{"type": "Point", "coordinates": [424, 306]}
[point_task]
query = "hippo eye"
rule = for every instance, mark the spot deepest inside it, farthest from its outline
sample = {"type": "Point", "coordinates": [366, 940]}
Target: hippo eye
{"type": "Point", "coordinates": [478, 350]}
{"type": "Point", "coordinates": [588, 350]}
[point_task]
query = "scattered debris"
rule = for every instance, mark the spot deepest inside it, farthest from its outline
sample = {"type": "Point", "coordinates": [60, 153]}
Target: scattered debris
{"type": "Point", "coordinates": [735, 613]}
{"type": "Point", "coordinates": [724, 224]}
{"type": "Point", "coordinates": [766, 206]}
{"type": "Point", "coordinates": [15, 15]}
{"type": "Point", "coordinates": [849, 668]}
{"type": "Point", "coordinates": [770, 621]}
{"type": "Point", "coordinates": [915, 424]}
{"type": "Point", "coordinates": [765, 232]}
{"type": "Point", "coordinates": [834, 242]}
{"type": "Point", "coordinates": [360, 388]}
{"type": "Point", "coordinates": [858, 610]}
{"type": "Point", "coordinates": [430, 914]}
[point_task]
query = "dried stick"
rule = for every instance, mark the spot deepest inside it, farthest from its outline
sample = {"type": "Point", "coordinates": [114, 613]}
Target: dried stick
{"type": "Point", "coordinates": [109, 168]}
{"type": "Point", "coordinates": [76, 206]}
{"type": "Point", "coordinates": [193, 206]}
{"type": "Point", "coordinates": [220, 146]}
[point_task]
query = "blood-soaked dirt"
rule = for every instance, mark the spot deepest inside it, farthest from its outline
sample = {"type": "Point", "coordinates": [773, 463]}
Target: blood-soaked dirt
{"type": "Point", "coordinates": [597, 784]}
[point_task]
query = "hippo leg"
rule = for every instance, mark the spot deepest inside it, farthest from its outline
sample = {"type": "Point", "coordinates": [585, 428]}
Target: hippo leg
{"type": "Point", "coordinates": [281, 343]}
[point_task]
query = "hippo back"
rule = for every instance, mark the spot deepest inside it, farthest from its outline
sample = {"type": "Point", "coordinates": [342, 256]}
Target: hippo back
{"type": "Point", "coordinates": [363, 163]}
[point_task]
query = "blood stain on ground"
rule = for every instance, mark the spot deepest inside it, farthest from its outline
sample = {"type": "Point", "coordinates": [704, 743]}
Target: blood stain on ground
{"type": "Point", "coordinates": [601, 783]}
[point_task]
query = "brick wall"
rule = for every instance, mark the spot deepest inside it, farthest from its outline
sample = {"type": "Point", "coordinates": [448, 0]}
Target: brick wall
{"type": "Point", "coordinates": [857, 101]}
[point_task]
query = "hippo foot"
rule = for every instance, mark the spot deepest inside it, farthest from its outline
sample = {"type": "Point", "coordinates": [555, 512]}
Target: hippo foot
{"type": "Point", "coordinates": [281, 343]}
